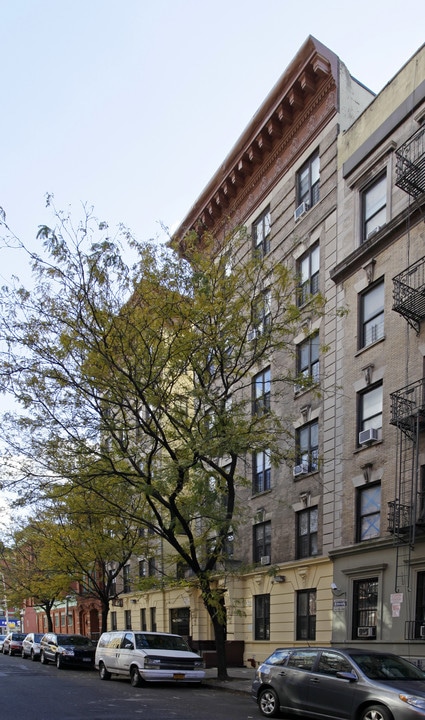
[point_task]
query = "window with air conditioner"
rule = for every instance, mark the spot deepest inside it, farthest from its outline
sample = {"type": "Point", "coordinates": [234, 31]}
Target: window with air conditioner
{"type": "Point", "coordinates": [365, 608]}
{"type": "Point", "coordinates": [374, 207]}
{"type": "Point", "coordinates": [307, 363]}
{"type": "Point", "coordinates": [262, 538]}
{"type": "Point", "coordinates": [372, 315]}
{"type": "Point", "coordinates": [307, 446]}
{"type": "Point", "coordinates": [370, 413]}
{"type": "Point", "coordinates": [308, 183]}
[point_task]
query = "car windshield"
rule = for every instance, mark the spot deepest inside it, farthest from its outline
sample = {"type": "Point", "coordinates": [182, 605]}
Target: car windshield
{"type": "Point", "coordinates": [18, 636]}
{"type": "Point", "coordinates": [73, 640]}
{"type": "Point", "coordinates": [37, 637]}
{"type": "Point", "coordinates": [159, 642]}
{"type": "Point", "coordinates": [387, 667]}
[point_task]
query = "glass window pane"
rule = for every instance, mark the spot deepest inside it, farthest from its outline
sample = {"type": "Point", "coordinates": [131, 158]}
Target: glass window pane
{"type": "Point", "coordinates": [372, 402]}
{"type": "Point", "coordinates": [375, 197]}
{"type": "Point", "coordinates": [373, 302]}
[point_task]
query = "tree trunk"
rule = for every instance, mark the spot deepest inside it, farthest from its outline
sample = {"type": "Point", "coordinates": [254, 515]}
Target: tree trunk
{"type": "Point", "coordinates": [214, 602]}
{"type": "Point", "coordinates": [105, 611]}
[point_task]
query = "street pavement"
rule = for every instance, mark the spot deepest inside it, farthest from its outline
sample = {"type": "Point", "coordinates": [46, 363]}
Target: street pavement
{"type": "Point", "coordinates": [240, 679]}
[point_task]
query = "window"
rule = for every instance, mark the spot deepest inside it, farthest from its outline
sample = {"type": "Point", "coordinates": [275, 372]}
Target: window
{"type": "Point", "coordinates": [370, 409]}
{"type": "Point", "coordinates": [180, 621]}
{"type": "Point", "coordinates": [261, 392]}
{"type": "Point", "coordinates": [261, 233]}
{"type": "Point", "coordinates": [126, 579]}
{"type": "Point", "coordinates": [262, 308]}
{"type": "Point", "coordinates": [420, 603]}
{"type": "Point", "coordinates": [368, 512]}
{"type": "Point", "coordinates": [127, 619]}
{"type": "Point", "coordinates": [308, 361]}
{"type": "Point", "coordinates": [143, 624]}
{"type": "Point", "coordinates": [308, 275]}
{"type": "Point", "coordinates": [262, 542]}
{"type": "Point", "coordinates": [142, 568]}
{"type": "Point", "coordinates": [261, 472]}
{"type": "Point", "coordinates": [331, 662]}
{"type": "Point", "coordinates": [308, 181]}
{"type": "Point", "coordinates": [372, 315]}
{"type": "Point", "coordinates": [374, 210]}
{"type": "Point", "coordinates": [306, 615]}
{"type": "Point", "coordinates": [307, 446]}
{"type": "Point", "coordinates": [307, 523]}
{"type": "Point", "coordinates": [365, 608]}
{"type": "Point", "coordinates": [153, 619]}
{"type": "Point", "coordinates": [262, 617]}
{"type": "Point", "coordinates": [114, 624]}
{"type": "Point", "coordinates": [151, 567]}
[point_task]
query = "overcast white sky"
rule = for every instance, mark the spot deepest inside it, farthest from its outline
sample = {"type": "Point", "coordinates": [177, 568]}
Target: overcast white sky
{"type": "Point", "coordinates": [132, 105]}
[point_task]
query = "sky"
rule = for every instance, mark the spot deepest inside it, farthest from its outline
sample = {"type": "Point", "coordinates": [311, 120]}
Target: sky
{"type": "Point", "coordinates": [131, 106]}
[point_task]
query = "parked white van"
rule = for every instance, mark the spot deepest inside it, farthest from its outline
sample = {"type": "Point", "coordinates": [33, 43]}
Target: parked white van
{"type": "Point", "coordinates": [150, 656]}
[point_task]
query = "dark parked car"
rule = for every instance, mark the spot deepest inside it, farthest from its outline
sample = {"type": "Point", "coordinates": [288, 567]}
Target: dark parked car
{"type": "Point", "coordinates": [31, 646]}
{"type": "Point", "coordinates": [339, 684]}
{"type": "Point", "coordinates": [67, 650]}
{"type": "Point", "coordinates": [12, 644]}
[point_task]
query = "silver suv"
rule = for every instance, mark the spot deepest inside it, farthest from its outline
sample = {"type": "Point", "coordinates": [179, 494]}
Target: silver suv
{"type": "Point", "coordinates": [339, 684]}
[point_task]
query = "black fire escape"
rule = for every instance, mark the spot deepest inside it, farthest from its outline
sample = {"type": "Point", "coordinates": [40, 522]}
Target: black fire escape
{"type": "Point", "coordinates": [406, 517]}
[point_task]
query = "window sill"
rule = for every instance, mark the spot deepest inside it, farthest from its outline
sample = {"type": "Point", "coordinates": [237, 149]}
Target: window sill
{"type": "Point", "coordinates": [367, 347]}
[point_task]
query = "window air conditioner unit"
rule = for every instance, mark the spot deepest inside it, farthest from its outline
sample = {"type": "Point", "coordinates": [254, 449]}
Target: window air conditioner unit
{"type": "Point", "coordinates": [373, 232]}
{"type": "Point", "coordinates": [366, 631]}
{"type": "Point", "coordinates": [301, 469]}
{"type": "Point", "coordinates": [265, 560]}
{"type": "Point", "coordinates": [368, 436]}
{"type": "Point", "coordinates": [422, 632]}
{"type": "Point", "coordinates": [301, 209]}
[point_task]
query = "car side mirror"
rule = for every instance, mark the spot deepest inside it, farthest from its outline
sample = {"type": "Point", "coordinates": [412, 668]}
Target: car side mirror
{"type": "Point", "coordinates": [352, 677]}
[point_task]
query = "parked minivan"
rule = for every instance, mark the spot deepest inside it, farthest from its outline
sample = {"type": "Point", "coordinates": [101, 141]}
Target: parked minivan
{"type": "Point", "coordinates": [150, 656]}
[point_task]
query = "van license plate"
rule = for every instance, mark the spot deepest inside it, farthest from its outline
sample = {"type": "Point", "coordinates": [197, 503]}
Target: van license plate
{"type": "Point", "coordinates": [178, 676]}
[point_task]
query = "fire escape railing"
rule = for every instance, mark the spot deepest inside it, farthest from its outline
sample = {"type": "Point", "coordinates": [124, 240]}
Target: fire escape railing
{"type": "Point", "coordinates": [408, 408]}
{"type": "Point", "coordinates": [409, 293]}
{"type": "Point", "coordinates": [410, 167]}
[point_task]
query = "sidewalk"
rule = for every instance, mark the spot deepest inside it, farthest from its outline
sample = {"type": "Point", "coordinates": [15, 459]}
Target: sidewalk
{"type": "Point", "coordinates": [240, 679]}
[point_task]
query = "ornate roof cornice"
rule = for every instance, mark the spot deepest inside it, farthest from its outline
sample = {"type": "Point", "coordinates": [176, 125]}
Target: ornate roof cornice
{"type": "Point", "coordinates": [309, 82]}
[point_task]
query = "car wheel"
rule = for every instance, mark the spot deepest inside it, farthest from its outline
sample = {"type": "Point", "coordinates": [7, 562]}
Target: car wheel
{"type": "Point", "coordinates": [268, 702]}
{"type": "Point", "coordinates": [23, 653]}
{"type": "Point", "coordinates": [59, 662]}
{"type": "Point", "coordinates": [32, 656]}
{"type": "Point", "coordinates": [104, 674]}
{"type": "Point", "coordinates": [135, 678]}
{"type": "Point", "coordinates": [43, 658]}
{"type": "Point", "coordinates": [10, 652]}
{"type": "Point", "coordinates": [376, 712]}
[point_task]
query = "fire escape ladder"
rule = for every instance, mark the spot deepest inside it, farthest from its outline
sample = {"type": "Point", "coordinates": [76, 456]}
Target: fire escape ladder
{"type": "Point", "coordinates": [406, 510]}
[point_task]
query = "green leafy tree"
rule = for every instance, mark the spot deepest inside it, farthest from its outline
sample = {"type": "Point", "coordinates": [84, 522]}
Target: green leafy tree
{"type": "Point", "coordinates": [138, 380]}
{"type": "Point", "coordinates": [30, 572]}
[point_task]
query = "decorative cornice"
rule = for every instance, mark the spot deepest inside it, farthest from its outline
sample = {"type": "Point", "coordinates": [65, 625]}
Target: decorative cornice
{"type": "Point", "coordinates": [309, 82]}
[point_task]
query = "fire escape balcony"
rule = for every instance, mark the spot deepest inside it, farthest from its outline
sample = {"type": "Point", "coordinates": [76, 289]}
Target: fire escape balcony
{"type": "Point", "coordinates": [410, 167]}
{"type": "Point", "coordinates": [408, 408]}
{"type": "Point", "coordinates": [409, 293]}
